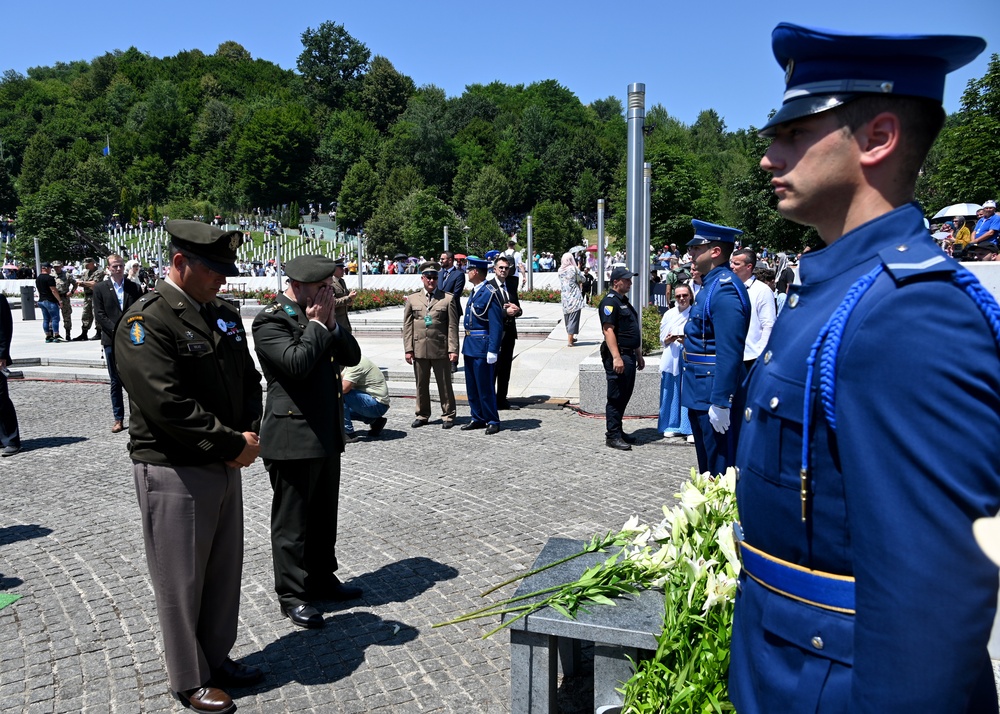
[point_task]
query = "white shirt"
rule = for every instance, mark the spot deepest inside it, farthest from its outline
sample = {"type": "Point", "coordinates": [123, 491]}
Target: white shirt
{"type": "Point", "coordinates": [761, 318]}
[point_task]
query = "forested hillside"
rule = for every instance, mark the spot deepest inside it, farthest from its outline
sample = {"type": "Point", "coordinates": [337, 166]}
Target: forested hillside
{"type": "Point", "coordinates": [199, 134]}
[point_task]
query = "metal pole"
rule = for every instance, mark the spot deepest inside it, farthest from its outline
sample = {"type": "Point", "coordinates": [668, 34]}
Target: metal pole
{"type": "Point", "coordinates": [277, 260]}
{"type": "Point", "coordinates": [600, 245]}
{"type": "Point", "coordinates": [361, 263]}
{"type": "Point", "coordinates": [446, 239]}
{"type": "Point", "coordinates": [647, 186]}
{"type": "Point", "coordinates": [38, 259]}
{"type": "Point", "coordinates": [633, 193]}
{"type": "Point", "coordinates": [530, 256]}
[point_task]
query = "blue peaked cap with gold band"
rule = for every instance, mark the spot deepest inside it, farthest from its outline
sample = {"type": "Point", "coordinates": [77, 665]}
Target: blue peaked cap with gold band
{"type": "Point", "coordinates": [705, 232]}
{"type": "Point", "coordinates": [824, 69]}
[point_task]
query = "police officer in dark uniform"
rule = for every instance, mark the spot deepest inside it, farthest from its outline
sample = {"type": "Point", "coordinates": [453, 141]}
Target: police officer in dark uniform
{"type": "Point", "coordinates": [301, 348]}
{"type": "Point", "coordinates": [714, 338]}
{"type": "Point", "coordinates": [483, 333]}
{"type": "Point", "coordinates": [621, 353]}
{"type": "Point", "coordinates": [195, 410]}
{"type": "Point", "coordinates": [862, 587]}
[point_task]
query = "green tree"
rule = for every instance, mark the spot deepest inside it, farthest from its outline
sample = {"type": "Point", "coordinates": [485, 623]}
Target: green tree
{"type": "Point", "coordinates": [347, 137]}
{"type": "Point", "coordinates": [586, 193]}
{"type": "Point", "coordinates": [491, 191]}
{"type": "Point", "coordinates": [384, 93]}
{"type": "Point", "coordinates": [485, 233]}
{"type": "Point", "coordinates": [8, 196]}
{"type": "Point", "coordinates": [37, 156]}
{"type": "Point", "coordinates": [424, 218]}
{"type": "Point", "coordinates": [966, 166]}
{"type": "Point", "coordinates": [273, 153]}
{"type": "Point", "coordinates": [356, 201]}
{"type": "Point", "coordinates": [233, 51]}
{"type": "Point", "coordinates": [332, 64]}
{"type": "Point", "coordinates": [53, 215]}
{"type": "Point", "coordinates": [555, 231]}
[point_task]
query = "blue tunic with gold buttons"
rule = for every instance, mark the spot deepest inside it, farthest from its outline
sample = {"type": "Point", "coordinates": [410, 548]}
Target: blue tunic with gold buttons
{"type": "Point", "coordinates": [901, 457]}
{"type": "Point", "coordinates": [714, 337]}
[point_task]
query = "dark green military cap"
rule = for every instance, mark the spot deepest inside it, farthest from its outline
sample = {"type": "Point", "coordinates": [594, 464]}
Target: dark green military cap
{"type": "Point", "coordinates": [310, 268]}
{"type": "Point", "coordinates": [213, 246]}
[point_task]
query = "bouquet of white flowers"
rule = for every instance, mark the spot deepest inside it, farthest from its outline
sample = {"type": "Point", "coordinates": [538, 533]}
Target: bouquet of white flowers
{"type": "Point", "coordinates": [690, 555]}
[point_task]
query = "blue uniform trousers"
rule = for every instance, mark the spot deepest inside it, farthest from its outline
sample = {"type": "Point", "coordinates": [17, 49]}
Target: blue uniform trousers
{"type": "Point", "coordinates": [716, 452]}
{"type": "Point", "coordinates": [479, 382]}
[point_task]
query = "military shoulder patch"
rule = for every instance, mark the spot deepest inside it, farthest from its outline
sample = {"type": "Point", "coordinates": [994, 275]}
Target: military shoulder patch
{"type": "Point", "coordinates": [608, 309]}
{"type": "Point", "coordinates": [136, 332]}
{"type": "Point", "coordinates": [290, 310]}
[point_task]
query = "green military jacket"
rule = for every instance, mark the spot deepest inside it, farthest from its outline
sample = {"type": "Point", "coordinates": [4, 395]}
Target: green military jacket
{"type": "Point", "coordinates": [301, 360]}
{"type": "Point", "coordinates": [191, 381]}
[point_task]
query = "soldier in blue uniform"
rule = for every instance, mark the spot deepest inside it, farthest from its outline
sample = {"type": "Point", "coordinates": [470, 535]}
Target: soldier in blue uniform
{"type": "Point", "coordinates": [862, 588]}
{"type": "Point", "coordinates": [483, 332]}
{"type": "Point", "coordinates": [714, 337]}
{"type": "Point", "coordinates": [621, 354]}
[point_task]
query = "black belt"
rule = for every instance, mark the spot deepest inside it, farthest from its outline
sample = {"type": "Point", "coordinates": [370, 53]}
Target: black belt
{"type": "Point", "coordinates": [626, 350]}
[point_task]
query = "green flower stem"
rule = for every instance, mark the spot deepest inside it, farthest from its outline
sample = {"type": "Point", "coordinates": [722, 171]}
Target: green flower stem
{"type": "Point", "coordinates": [594, 546]}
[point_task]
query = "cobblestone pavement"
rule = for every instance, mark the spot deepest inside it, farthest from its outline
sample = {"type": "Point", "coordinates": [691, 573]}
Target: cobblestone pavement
{"type": "Point", "coordinates": [428, 519]}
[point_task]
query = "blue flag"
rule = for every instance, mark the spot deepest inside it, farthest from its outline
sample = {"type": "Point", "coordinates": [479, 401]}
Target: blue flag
{"type": "Point", "coordinates": [106, 150]}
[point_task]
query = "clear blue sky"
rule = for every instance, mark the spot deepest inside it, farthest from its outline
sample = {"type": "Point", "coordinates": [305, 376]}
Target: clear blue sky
{"type": "Point", "coordinates": [701, 54]}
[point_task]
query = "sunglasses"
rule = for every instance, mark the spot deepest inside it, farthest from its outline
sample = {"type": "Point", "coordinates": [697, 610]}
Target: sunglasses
{"type": "Point", "coordinates": [431, 276]}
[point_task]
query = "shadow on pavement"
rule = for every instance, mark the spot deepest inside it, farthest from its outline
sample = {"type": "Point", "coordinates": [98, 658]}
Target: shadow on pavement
{"type": "Point", "coordinates": [398, 582]}
{"type": "Point", "coordinates": [326, 655]}
{"type": "Point", "coordinates": [49, 442]}
{"type": "Point", "coordinates": [338, 649]}
{"type": "Point", "coordinates": [518, 424]}
{"type": "Point", "coordinates": [15, 534]}
{"type": "Point", "coordinates": [8, 583]}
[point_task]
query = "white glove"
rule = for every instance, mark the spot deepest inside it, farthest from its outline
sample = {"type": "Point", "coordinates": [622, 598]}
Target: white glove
{"type": "Point", "coordinates": [491, 358]}
{"type": "Point", "coordinates": [719, 416]}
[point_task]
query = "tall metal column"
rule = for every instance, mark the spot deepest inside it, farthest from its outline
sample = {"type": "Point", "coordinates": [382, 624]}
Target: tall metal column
{"type": "Point", "coordinates": [446, 239]}
{"type": "Point", "coordinates": [633, 193]}
{"type": "Point", "coordinates": [529, 256]}
{"type": "Point", "coordinates": [361, 262]}
{"type": "Point", "coordinates": [600, 245]}
{"type": "Point", "coordinates": [647, 186]}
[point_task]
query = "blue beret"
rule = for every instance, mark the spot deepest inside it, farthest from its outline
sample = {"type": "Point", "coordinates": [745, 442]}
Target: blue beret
{"type": "Point", "coordinates": [478, 264]}
{"type": "Point", "coordinates": [706, 232]}
{"type": "Point", "coordinates": [825, 69]}
{"type": "Point", "coordinates": [490, 255]}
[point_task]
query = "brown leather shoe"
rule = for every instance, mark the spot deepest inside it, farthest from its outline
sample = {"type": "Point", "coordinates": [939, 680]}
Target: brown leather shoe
{"type": "Point", "coordinates": [206, 700]}
{"type": "Point", "coordinates": [117, 427]}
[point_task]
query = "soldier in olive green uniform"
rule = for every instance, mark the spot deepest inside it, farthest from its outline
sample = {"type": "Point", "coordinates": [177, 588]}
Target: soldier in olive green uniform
{"type": "Point", "coordinates": [89, 278]}
{"type": "Point", "coordinates": [301, 347]}
{"type": "Point", "coordinates": [195, 409]}
{"type": "Point", "coordinates": [65, 284]}
{"type": "Point", "coordinates": [344, 297]}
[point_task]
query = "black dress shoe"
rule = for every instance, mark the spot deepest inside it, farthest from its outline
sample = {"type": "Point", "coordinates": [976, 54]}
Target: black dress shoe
{"type": "Point", "coordinates": [304, 615]}
{"type": "Point", "coordinates": [417, 423]}
{"type": "Point", "coordinates": [234, 674]}
{"type": "Point", "coordinates": [617, 443]}
{"type": "Point", "coordinates": [206, 700]}
{"type": "Point", "coordinates": [629, 439]}
{"type": "Point", "coordinates": [473, 425]}
{"type": "Point", "coordinates": [338, 591]}
{"type": "Point", "coordinates": [447, 424]}
{"type": "Point", "coordinates": [350, 437]}
{"type": "Point", "coordinates": [376, 427]}
{"type": "Point", "coordinates": [492, 428]}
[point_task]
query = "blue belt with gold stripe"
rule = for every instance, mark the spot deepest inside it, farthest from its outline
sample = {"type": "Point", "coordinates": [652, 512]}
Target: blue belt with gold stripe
{"type": "Point", "coordinates": [698, 359]}
{"type": "Point", "coordinates": [476, 333]}
{"type": "Point", "coordinates": [814, 587]}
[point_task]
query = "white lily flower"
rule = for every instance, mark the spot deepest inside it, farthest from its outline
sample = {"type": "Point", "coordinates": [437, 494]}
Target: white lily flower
{"type": "Point", "coordinates": [727, 544]}
{"type": "Point", "coordinates": [632, 524]}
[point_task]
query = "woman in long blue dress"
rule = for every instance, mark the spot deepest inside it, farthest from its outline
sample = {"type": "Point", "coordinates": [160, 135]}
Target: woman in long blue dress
{"type": "Point", "coordinates": [673, 419]}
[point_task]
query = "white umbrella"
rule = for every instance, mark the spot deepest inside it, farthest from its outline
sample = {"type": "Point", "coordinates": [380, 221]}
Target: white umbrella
{"type": "Point", "coordinates": [577, 248]}
{"type": "Point", "coordinates": [958, 209]}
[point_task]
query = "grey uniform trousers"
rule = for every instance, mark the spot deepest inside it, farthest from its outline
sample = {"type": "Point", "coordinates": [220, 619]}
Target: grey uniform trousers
{"type": "Point", "coordinates": [192, 526]}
